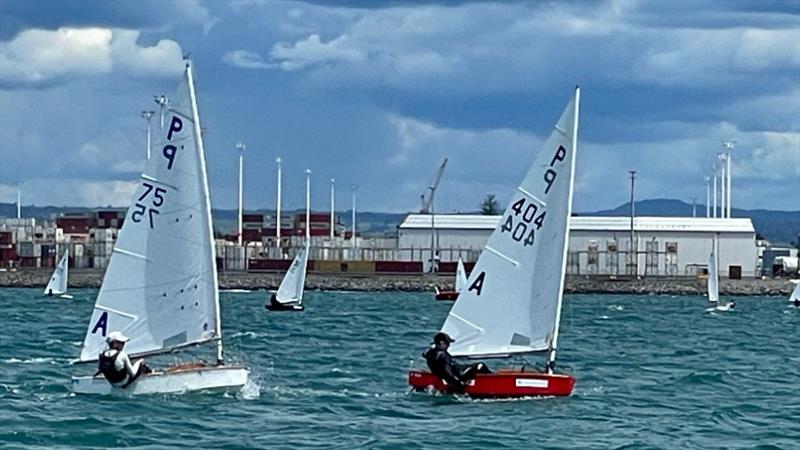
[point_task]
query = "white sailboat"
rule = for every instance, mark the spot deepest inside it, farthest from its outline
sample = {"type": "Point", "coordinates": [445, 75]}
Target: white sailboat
{"type": "Point", "coordinates": [58, 282]}
{"type": "Point", "coordinates": [289, 296]}
{"type": "Point", "coordinates": [794, 299]}
{"type": "Point", "coordinates": [460, 284]}
{"type": "Point", "coordinates": [160, 287]}
{"type": "Point", "coordinates": [712, 284]}
{"type": "Point", "coordinates": [512, 302]}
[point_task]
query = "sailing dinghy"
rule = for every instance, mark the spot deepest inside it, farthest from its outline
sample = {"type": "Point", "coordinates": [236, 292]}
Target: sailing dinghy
{"type": "Point", "coordinates": [461, 282]}
{"type": "Point", "coordinates": [160, 287]}
{"type": "Point", "coordinates": [58, 282]}
{"type": "Point", "coordinates": [794, 299]}
{"type": "Point", "coordinates": [289, 296]}
{"type": "Point", "coordinates": [512, 303]}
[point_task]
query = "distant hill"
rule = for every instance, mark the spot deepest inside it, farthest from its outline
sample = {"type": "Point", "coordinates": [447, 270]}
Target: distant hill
{"type": "Point", "coordinates": [779, 227]}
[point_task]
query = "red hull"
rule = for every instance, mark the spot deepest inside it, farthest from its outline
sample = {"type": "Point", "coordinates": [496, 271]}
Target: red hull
{"type": "Point", "coordinates": [447, 295]}
{"type": "Point", "coordinates": [501, 384]}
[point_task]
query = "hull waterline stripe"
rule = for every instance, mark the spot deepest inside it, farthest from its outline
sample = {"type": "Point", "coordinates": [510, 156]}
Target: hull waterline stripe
{"type": "Point", "coordinates": [496, 252]}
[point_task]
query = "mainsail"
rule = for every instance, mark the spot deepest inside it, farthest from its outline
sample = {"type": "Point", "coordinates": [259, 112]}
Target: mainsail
{"type": "Point", "coordinates": [160, 287]}
{"type": "Point", "coordinates": [291, 288]}
{"type": "Point", "coordinates": [512, 302]}
{"type": "Point", "coordinates": [58, 282]}
{"type": "Point", "coordinates": [795, 294]}
{"type": "Point", "coordinates": [713, 273]}
{"type": "Point", "coordinates": [461, 276]}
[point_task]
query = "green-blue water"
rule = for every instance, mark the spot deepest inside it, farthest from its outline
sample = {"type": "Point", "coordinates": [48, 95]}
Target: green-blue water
{"type": "Point", "coordinates": [653, 372]}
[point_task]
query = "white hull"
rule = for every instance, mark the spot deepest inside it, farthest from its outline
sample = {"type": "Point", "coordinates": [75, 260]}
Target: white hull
{"type": "Point", "coordinates": [196, 379]}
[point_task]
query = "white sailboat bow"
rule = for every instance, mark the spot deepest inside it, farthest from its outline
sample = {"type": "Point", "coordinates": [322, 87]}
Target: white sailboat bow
{"type": "Point", "coordinates": [292, 285]}
{"type": "Point", "coordinates": [512, 300]}
{"type": "Point", "coordinates": [713, 274]}
{"type": "Point", "coordinates": [461, 276]}
{"type": "Point", "coordinates": [160, 288]}
{"type": "Point", "coordinates": [58, 282]}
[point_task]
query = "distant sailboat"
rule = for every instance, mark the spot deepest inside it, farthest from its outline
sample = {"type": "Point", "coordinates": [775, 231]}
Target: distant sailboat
{"type": "Point", "coordinates": [512, 305]}
{"type": "Point", "coordinates": [160, 287]}
{"type": "Point", "coordinates": [58, 282]}
{"type": "Point", "coordinates": [289, 296]}
{"type": "Point", "coordinates": [461, 282]}
{"type": "Point", "coordinates": [713, 274]}
{"type": "Point", "coordinates": [794, 299]}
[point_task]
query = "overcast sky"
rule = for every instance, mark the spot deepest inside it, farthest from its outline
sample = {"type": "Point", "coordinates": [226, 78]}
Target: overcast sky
{"type": "Point", "coordinates": [377, 93]}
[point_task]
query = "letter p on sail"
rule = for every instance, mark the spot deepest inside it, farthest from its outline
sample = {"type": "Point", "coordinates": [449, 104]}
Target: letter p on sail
{"type": "Point", "coordinates": [175, 126]}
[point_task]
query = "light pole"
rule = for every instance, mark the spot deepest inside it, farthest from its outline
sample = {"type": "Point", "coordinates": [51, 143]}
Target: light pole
{"type": "Point", "coordinates": [161, 101]}
{"type": "Point", "coordinates": [278, 203]}
{"type": "Point", "coordinates": [723, 198]}
{"type": "Point", "coordinates": [354, 187]}
{"type": "Point", "coordinates": [19, 200]}
{"type": "Point", "coordinates": [308, 207]}
{"type": "Point", "coordinates": [333, 196]}
{"type": "Point", "coordinates": [728, 145]}
{"type": "Point", "coordinates": [714, 170]}
{"type": "Point", "coordinates": [147, 115]}
{"type": "Point", "coordinates": [634, 262]}
{"type": "Point", "coordinates": [708, 197]}
{"type": "Point", "coordinates": [240, 147]}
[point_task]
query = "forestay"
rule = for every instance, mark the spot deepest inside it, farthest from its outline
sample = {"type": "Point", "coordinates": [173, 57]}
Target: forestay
{"type": "Point", "coordinates": [461, 276]}
{"type": "Point", "coordinates": [713, 273]}
{"type": "Point", "coordinates": [513, 297]}
{"type": "Point", "coordinates": [160, 288]}
{"type": "Point", "coordinates": [58, 282]}
{"type": "Point", "coordinates": [291, 288]}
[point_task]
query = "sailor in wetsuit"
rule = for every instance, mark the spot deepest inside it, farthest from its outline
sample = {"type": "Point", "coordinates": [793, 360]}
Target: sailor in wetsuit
{"type": "Point", "coordinates": [442, 365]}
{"type": "Point", "coordinates": [115, 364]}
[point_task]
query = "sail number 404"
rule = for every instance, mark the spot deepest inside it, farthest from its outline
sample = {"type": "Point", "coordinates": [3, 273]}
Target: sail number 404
{"type": "Point", "coordinates": [152, 209]}
{"type": "Point", "coordinates": [526, 215]}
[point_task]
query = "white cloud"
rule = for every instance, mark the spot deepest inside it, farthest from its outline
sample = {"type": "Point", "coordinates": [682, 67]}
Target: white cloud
{"type": "Point", "coordinates": [312, 51]}
{"type": "Point", "coordinates": [70, 192]}
{"type": "Point", "coordinates": [42, 56]}
{"type": "Point", "coordinates": [246, 60]}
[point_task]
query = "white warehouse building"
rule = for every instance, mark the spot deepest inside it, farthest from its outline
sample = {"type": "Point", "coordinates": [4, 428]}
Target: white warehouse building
{"type": "Point", "coordinates": [668, 246]}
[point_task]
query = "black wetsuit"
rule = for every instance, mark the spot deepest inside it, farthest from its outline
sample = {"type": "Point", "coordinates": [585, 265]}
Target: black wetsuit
{"type": "Point", "coordinates": [442, 365]}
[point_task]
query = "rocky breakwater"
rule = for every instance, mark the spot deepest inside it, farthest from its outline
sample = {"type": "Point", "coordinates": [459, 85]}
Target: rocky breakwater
{"type": "Point", "coordinates": [91, 278]}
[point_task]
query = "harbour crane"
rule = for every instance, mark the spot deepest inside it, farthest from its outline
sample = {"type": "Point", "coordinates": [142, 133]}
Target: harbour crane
{"type": "Point", "coordinates": [427, 208]}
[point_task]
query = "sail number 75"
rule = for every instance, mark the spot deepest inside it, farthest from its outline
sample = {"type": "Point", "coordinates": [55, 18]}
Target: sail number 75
{"type": "Point", "coordinates": [140, 208]}
{"type": "Point", "coordinates": [526, 217]}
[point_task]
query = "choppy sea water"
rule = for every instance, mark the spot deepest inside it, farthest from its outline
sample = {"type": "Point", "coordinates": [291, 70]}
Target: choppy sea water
{"type": "Point", "coordinates": [652, 372]}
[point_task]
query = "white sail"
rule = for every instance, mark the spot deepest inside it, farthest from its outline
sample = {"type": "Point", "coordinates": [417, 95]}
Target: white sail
{"type": "Point", "coordinates": [160, 287]}
{"type": "Point", "coordinates": [512, 301]}
{"type": "Point", "coordinates": [713, 273]}
{"type": "Point", "coordinates": [58, 282]}
{"type": "Point", "coordinates": [795, 294]}
{"type": "Point", "coordinates": [461, 276]}
{"type": "Point", "coordinates": [291, 288]}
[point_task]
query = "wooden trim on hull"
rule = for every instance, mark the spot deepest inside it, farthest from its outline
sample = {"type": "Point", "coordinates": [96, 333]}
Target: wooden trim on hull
{"type": "Point", "coordinates": [502, 384]}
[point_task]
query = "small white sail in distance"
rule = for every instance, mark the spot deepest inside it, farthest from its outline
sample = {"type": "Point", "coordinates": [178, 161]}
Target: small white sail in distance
{"type": "Point", "coordinates": [795, 293]}
{"type": "Point", "coordinates": [512, 302]}
{"type": "Point", "coordinates": [461, 276]}
{"type": "Point", "coordinates": [160, 287]}
{"type": "Point", "coordinates": [713, 273]}
{"type": "Point", "coordinates": [291, 288]}
{"type": "Point", "coordinates": [58, 282]}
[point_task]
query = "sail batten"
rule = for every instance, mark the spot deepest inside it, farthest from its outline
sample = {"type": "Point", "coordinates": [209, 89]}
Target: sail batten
{"type": "Point", "coordinates": [513, 299]}
{"type": "Point", "coordinates": [160, 287]}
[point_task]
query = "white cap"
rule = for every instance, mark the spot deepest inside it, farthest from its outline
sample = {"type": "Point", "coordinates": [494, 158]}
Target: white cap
{"type": "Point", "coordinates": [116, 336]}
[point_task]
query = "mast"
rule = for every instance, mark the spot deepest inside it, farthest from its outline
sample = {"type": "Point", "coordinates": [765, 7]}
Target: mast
{"type": "Point", "coordinates": [552, 357]}
{"type": "Point", "coordinates": [240, 147]}
{"type": "Point", "coordinates": [333, 190]}
{"type": "Point", "coordinates": [278, 205]}
{"type": "Point", "coordinates": [308, 207]}
{"type": "Point", "coordinates": [202, 157]}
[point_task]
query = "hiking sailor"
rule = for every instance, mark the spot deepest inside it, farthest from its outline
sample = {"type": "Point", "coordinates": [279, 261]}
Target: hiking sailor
{"type": "Point", "coordinates": [115, 364]}
{"type": "Point", "coordinates": [441, 364]}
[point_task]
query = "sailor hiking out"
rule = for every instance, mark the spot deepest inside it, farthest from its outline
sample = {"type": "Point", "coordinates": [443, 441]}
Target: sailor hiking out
{"type": "Point", "coordinates": [116, 366]}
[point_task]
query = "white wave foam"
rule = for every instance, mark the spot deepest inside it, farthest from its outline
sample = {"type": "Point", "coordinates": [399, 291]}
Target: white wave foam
{"type": "Point", "coordinates": [30, 361]}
